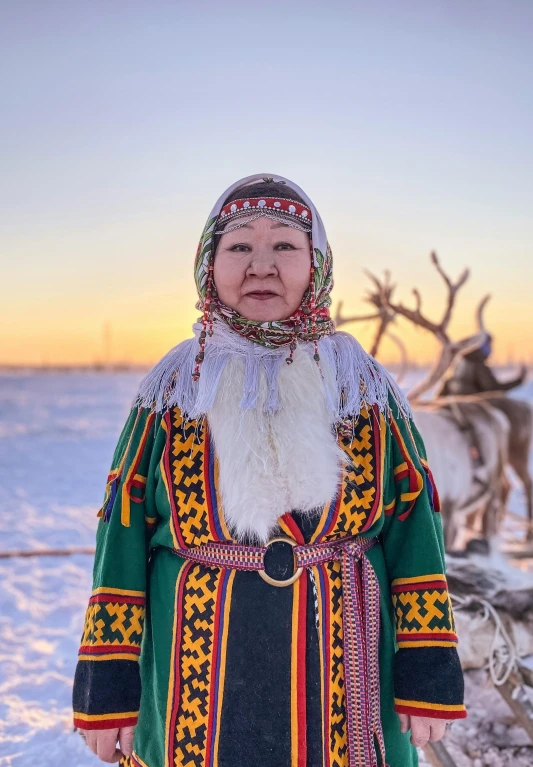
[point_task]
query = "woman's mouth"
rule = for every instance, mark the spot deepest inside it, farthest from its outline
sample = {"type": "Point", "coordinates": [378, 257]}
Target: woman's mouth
{"type": "Point", "coordinates": [261, 295]}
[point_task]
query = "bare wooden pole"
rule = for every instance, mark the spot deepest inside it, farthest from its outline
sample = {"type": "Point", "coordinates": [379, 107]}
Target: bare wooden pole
{"type": "Point", "coordinates": [522, 711]}
{"type": "Point", "coordinates": [438, 755]}
{"type": "Point", "coordinates": [47, 552]}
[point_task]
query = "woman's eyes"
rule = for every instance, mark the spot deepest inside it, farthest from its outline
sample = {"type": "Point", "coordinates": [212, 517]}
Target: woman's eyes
{"type": "Point", "coordinates": [239, 248]}
{"type": "Point", "coordinates": [243, 248]}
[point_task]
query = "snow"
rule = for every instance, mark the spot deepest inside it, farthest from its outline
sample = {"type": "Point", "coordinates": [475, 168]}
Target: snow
{"type": "Point", "coordinates": [57, 436]}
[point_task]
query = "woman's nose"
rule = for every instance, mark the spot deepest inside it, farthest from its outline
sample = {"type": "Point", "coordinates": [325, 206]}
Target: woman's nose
{"type": "Point", "coordinates": [262, 265]}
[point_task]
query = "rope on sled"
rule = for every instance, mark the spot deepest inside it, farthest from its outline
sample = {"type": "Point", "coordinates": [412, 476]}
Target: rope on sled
{"type": "Point", "coordinates": [47, 552]}
{"type": "Point", "coordinates": [503, 654]}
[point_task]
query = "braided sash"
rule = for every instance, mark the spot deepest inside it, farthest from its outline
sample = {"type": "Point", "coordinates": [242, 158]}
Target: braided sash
{"type": "Point", "coordinates": [360, 620]}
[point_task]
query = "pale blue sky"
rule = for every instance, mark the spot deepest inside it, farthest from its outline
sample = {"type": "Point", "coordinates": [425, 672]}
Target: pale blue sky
{"type": "Point", "coordinates": [409, 124]}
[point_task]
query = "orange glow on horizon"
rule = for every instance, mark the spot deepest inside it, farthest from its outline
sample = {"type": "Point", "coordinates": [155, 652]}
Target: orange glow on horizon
{"type": "Point", "coordinates": [143, 337]}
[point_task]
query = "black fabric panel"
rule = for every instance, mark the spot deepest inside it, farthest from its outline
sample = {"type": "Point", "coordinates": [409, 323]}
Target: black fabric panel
{"type": "Point", "coordinates": [307, 522]}
{"type": "Point", "coordinates": [313, 692]}
{"type": "Point", "coordinates": [106, 687]}
{"type": "Point", "coordinates": [429, 674]}
{"type": "Point", "coordinates": [256, 710]}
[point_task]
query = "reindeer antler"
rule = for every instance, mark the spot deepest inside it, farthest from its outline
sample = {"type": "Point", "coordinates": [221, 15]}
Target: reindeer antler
{"type": "Point", "coordinates": [439, 329]}
{"type": "Point", "coordinates": [379, 299]}
{"type": "Point", "coordinates": [449, 350]}
{"type": "Point", "coordinates": [480, 312]}
{"type": "Point", "coordinates": [340, 320]}
{"type": "Point", "coordinates": [382, 299]}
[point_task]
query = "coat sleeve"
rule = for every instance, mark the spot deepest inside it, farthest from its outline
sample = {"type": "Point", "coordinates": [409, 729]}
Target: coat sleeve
{"type": "Point", "coordinates": [428, 679]}
{"type": "Point", "coordinates": [107, 689]}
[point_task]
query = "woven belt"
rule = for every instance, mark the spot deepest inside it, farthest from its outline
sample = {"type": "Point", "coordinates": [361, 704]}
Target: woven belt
{"type": "Point", "coordinates": [360, 621]}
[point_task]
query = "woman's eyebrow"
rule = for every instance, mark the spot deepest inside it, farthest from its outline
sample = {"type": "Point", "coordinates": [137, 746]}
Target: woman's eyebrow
{"type": "Point", "coordinates": [277, 225]}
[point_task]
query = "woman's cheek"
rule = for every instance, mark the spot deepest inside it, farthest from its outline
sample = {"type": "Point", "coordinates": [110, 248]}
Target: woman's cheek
{"type": "Point", "coordinates": [229, 276]}
{"type": "Point", "coordinates": [296, 276]}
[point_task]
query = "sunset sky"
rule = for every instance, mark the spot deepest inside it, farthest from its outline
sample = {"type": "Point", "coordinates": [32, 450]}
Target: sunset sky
{"type": "Point", "coordinates": [409, 125]}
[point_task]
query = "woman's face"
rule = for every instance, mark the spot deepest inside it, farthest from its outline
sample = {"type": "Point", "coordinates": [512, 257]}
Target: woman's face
{"type": "Point", "coordinates": [262, 269]}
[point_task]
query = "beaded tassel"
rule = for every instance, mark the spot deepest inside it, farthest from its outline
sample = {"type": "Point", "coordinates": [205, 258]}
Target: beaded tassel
{"type": "Point", "coordinates": [309, 329]}
{"type": "Point", "coordinates": [207, 323]}
{"type": "Point", "coordinates": [292, 347]}
{"type": "Point", "coordinates": [314, 333]}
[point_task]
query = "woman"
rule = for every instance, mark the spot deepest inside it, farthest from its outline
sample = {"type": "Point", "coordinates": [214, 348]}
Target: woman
{"type": "Point", "coordinates": [270, 530]}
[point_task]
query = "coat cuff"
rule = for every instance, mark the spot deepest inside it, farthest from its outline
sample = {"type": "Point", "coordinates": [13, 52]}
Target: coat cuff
{"type": "Point", "coordinates": [106, 694]}
{"type": "Point", "coordinates": [428, 681]}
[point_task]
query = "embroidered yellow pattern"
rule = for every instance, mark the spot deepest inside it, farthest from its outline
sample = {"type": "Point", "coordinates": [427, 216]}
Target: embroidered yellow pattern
{"type": "Point", "coordinates": [199, 602]}
{"type": "Point", "coordinates": [113, 623]}
{"type": "Point", "coordinates": [188, 479]}
{"type": "Point", "coordinates": [423, 610]}
{"type": "Point", "coordinates": [363, 477]}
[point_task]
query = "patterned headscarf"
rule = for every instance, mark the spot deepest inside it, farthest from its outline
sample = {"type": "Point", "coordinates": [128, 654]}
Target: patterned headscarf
{"type": "Point", "coordinates": [350, 377]}
{"type": "Point", "coordinates": [311, 321]}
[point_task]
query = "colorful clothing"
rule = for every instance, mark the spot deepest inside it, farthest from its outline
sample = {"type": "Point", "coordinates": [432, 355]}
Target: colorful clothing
{"type": "Point", "coordinates": [187, 634]}
{"type": "Point", "coordinates": [232, 669]}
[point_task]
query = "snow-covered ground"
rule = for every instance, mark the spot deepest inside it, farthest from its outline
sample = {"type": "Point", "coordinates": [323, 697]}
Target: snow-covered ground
{"type": "Point", "coordinates": [57, 435]}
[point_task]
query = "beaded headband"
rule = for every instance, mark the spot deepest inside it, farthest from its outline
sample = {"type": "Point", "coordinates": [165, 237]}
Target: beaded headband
{"type": "Point", "coordinates": [244, 217]}
{"type": "Point", "coordinates": [251, 204]}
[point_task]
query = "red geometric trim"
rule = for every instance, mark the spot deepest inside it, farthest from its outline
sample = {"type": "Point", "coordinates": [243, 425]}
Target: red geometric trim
{"type": "Point", "coordinates": [441, 713]}
{"type": "Point", "coordinates": [105, 724]}
{"type": "Point", "coordinates": [117, 598]}
{"type": "Point", "coordinates": [422, 637]}
{"type": "Point", "coordinates": [419, 586]}
{"type": "Point", "coordinates": [108, 648]}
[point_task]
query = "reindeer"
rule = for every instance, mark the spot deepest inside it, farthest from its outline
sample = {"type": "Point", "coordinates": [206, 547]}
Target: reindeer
{"type": "Point", "coordinates": [469, 495]}
{"type": "Point", "coordinates": [379, 299]}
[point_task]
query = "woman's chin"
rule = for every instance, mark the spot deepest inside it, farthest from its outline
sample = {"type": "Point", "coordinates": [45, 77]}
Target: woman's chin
{"type": "Point", "coordinates": [260, 311]}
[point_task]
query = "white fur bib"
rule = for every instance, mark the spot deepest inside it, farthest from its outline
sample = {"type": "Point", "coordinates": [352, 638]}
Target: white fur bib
{"type": "Point", "coordinates": [273, 424]}
{"type": "Point", "coordinates": [273, 463]}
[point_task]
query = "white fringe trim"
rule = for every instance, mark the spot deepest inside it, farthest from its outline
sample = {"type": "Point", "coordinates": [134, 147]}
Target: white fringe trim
{"type": "Point", "coordinates": [346, 368]}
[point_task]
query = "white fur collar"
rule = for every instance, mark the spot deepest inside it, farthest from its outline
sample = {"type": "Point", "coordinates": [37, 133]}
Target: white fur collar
{"type": "Point", "coordinates": [352, 378]}
{"type": "Point", "coordinates": [272, 463]}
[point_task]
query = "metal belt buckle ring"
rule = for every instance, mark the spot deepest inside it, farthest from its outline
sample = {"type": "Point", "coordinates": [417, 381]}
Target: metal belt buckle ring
{"type": "Point", "coordinates": [297, 572]}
